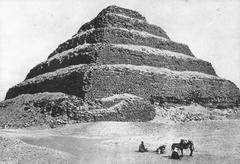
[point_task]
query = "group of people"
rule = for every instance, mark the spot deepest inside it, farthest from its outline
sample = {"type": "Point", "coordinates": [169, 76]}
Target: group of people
{"type": "Point", "coordinates": [183, 144]}
{"type": "Point", "coordinates": [159, 150]}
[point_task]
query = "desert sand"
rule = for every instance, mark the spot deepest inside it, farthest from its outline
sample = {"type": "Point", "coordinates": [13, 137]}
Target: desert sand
{"type": "Point", "coordinates": [117, 142]}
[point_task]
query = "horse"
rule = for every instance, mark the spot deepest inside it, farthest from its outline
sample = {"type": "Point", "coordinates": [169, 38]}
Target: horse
{"type": "Point", "coordinates": [184, 144]}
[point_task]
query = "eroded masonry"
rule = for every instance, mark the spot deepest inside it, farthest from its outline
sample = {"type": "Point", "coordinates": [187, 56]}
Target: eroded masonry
{"type": "Point", "coordinates": [118, 61]}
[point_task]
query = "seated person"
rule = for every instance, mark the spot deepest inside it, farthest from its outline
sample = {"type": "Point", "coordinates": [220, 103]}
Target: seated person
{"type": "Point", "coordinates": [142, 148]}
{"type": "Point", "coordinates": [175, 154]}
{"type": "Point", "coordinates": [161, 149]}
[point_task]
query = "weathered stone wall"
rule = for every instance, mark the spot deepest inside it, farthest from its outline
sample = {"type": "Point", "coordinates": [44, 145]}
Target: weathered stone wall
{"type": "Point", "coordinates": [108, 54]}
{"type": "Point", "coordinates": [120, 10]}
{"type": "Point", "coordinates": [92, 82]}
{"type": "Point", "coordinates": [115, 20]}
{"type": "Point", "coordinates": [176, 88]}
{"type": "Point", "coordinates": [120, 36]}
{"type": "Point", "coordinates": [113, 55]}
{"type": "Point", "coordinates": [68, 81]}
{"type": "Point", "coordinates": [85, 55]}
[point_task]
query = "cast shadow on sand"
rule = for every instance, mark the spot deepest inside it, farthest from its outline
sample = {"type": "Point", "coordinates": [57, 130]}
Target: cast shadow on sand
{"type": "Point", "coordinates": [186, 157]}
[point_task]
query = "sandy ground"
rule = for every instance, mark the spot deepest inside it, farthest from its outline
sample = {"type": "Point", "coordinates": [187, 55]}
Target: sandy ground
{"type": "Point", "coordinates": [117, 142]}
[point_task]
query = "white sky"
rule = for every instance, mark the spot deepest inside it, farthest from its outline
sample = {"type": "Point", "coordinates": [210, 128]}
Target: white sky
{"type": "Point", "coordinates": [31, 29]}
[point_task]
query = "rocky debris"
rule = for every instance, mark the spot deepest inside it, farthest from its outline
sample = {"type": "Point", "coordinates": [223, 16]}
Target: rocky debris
{"type": "Point", "coordinates": [171, 112]}
{"type": "Point", "coordinates": [56, 109]}
{"type": "Point", "coordinates": [97, 81]}
{"type": "Point", "coordinates": [15, 151]}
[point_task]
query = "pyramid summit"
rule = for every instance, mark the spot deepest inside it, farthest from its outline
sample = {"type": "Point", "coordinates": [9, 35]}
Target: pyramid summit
{"type": "Point", "coordinates": [113, 22]}
{"type": "Point", "coordinates": [120, 54]}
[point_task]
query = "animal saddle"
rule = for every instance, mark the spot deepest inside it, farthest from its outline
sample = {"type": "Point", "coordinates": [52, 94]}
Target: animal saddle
{"type": "Point", "coordinates": [184, 143]}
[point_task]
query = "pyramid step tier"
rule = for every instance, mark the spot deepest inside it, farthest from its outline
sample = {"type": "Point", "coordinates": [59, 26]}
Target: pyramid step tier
{"type": "Point", "coordinates": [97, 81]}
{"type": "Point", "coordinates": [122, 54]}
{"type": "Point", "coordinates": [119, 10]}
{"type": "Point", "coordinates": [115, 35]}
{"type": "Point", "coordinates": [122, 21]}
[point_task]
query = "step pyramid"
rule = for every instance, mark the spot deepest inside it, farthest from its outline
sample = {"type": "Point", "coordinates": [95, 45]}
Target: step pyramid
{"type": "Point", "coordinates": [119, 52]}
